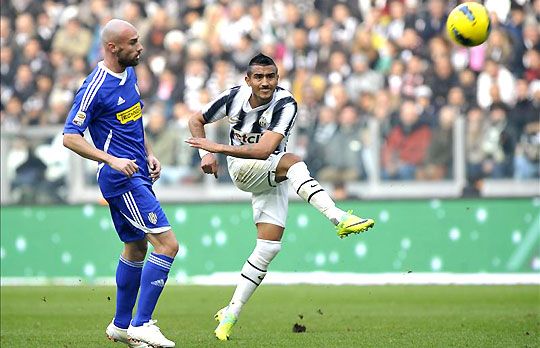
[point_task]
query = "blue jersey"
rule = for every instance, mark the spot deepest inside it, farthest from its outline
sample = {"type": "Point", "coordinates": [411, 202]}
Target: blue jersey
{"type": "Point", "coordinates": [109, 104]}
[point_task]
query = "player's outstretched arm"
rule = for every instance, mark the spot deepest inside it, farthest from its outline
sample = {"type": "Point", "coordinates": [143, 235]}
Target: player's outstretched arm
{"type": "Point", "coordinates": [77, 144]}
{"type": "Point", "coordinates": [261, 150]}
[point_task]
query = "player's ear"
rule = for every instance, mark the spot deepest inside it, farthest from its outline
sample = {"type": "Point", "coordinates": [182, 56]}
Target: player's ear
{"type": "Point", "coordinates": [247, 79]}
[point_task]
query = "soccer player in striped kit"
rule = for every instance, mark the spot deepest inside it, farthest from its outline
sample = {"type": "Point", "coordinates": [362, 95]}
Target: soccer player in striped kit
{"type": "Point", "coordinates": [262, 115]}
{"type": "Point", "coordinates": [108, 103]}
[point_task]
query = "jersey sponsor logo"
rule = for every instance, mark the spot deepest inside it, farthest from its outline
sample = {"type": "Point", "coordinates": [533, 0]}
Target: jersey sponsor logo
{"type": "Point", "coordinates": [131, 114]}
{"type": "Point", "coordinates": [120, 101]}
{"type": "Point", "coordinates": [152, 217]}
{"type": "Point", "coordinates": [246, 138]}
{"type": "Point", "coordinates": [79, 118]}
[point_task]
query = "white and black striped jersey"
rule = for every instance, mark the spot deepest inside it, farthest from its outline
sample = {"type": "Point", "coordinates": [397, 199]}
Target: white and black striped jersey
{"type": "Point", "coordinates": [247, 123]}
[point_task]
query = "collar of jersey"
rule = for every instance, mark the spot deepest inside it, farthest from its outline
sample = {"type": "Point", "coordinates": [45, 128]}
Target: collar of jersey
{"type": "Point", "coordinates": [122, 76]}
{"type": "Point", "coordinates": [247, 106]}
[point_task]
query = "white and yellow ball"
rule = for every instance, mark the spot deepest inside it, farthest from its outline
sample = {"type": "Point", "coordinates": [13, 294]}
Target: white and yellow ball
{"type": "Point", "coordinates": [468, 24]}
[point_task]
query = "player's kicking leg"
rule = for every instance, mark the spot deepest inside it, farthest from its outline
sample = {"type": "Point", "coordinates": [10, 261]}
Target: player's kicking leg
{"type": "Point", "coordinates": [312, 192]}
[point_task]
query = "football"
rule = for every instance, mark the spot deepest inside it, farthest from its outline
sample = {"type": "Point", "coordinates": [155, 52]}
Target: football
{"type": "Point", "coordinates": [468, 24]}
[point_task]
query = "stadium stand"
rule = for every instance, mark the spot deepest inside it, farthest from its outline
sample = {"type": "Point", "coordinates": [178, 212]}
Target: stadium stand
{"type": "Point", "coordinates": [376, 82]}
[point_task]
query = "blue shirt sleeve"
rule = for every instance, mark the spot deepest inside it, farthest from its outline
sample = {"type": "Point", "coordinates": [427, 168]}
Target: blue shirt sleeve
{"type": "Point", "coordinates": [85, 108]}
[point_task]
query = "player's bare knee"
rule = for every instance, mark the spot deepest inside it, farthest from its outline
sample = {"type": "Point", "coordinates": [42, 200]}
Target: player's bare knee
{"type": "Point", "coordinates": [174, 247]}
{"type": "Point", "coordinates": [288, 160]}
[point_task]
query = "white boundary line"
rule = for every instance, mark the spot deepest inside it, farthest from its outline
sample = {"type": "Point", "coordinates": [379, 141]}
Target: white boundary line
{"type": "Point", "coordinates": [314, 278]}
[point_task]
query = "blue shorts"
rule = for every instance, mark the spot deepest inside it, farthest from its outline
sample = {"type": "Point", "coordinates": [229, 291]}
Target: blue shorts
{"type": "Point", "coordinates": [136, 213]}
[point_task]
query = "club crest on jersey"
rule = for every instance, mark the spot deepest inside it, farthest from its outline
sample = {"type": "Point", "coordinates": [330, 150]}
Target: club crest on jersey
{"type": "Point", "coordinates": [131, 114]}
{"type": "Point", "coordinates": [234, 119]}
{"type": "Point", "coordinates": [79, 118]}
{"type": "Point", "coordinates": [152, 217]}
{"type": "Point", "coordinates": [263, 121]}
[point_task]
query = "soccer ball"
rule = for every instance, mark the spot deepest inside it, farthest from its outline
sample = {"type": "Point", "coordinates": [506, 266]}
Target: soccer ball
{"type": "Point", "coordinates": [468, 24]}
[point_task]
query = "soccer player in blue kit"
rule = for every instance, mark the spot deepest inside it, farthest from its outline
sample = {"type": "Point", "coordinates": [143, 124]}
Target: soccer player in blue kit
{"type": "Point", "coordinates": [109, 104]}
{"type": "Point", "coordinates": [261, 115]}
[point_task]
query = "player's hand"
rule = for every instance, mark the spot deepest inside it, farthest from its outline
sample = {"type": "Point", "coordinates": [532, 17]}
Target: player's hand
{"type": "Point", "coordinates": [203, 143]}
{"type": "Point", "coordinates": [124, 165]}
{"type": "Point", "coordinates": [209, 164]}
{"type": "Point", "coordinates": [155, 168]}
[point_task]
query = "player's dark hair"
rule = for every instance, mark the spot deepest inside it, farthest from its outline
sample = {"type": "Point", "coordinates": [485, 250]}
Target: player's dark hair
{"type": "Point", "coordinates": [260, 59]}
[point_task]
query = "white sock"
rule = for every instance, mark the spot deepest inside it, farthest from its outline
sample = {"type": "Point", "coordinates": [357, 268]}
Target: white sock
{"type": "Point", "coordinates": [313, 193]}
{"type": "Point", "coordinates": [253, 272]}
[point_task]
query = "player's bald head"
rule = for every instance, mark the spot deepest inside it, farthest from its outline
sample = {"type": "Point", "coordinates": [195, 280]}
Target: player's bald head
{"type": "Point", "coordinates": [116, 29]}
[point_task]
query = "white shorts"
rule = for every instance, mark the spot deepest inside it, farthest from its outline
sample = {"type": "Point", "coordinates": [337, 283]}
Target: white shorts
{"type": "Point", "coordinates": [269, 199]}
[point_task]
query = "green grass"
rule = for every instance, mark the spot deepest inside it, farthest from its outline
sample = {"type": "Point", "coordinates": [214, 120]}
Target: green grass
{"type": "Point", "coordinates": [335, 316]}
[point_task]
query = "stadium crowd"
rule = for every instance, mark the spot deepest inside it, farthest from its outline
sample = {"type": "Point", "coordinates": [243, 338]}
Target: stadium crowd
{"type": "Point", "coordinates": [346, 62]}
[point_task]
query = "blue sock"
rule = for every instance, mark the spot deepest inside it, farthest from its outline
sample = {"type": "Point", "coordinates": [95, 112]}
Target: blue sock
{"type": "Point", "coordinates": [128, 280]}
{"type": "Point", "coordinates": [153, 279]}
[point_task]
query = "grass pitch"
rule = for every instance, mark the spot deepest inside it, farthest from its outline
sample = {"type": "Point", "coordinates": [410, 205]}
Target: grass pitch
{"type": "Point", "coordinates": [334, 316]}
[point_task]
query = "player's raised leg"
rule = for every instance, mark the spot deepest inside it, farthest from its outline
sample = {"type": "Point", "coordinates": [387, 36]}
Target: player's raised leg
{"type": "Point", "coordinates": [291, 167]}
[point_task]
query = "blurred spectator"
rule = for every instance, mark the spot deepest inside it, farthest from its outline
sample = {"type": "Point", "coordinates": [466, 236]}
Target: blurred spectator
{"type": "Point", "coordinates": [363, 44]}
{"type": "Point", "coordinates": [428, 111]}
{"type": "Point", "coordinates": [12, 114]}
{"type": "Point", "coordinates": [34, 106]}
{"type": "Point", "coordinates": [439, 161]}
{"type": "Point", "coordinates": [320, 134]}
{"type": "Point", "coordinates": [467, 82]}
{"type": "Point", "coordinates": [413, 77]}
{"type": "Point", "coordinates": [456, 99]}
{"type": "Point", "coordinates": [146, 82]}
{"type": "Point", "coordinates": [363, 78]}
{"type": "Point", "coordinates": [73, 40]}
{"type": "Point", "coordinates": [432, 22]}
{"type": "Point", "coordinates": [35, 58]}
{"type": "Point", "coordinates": [406, 146]}
{"type": "Point", "coordinates": [498, 143]}
{"type": "Point", "coordinates": [165, 143]}
{"type": "Point", "coordinates": [526, 116]}
{"type": "Point", "coordinates": [531, 61]}
{"type": "Point", "coordinates": [496, 77]}
{"type": "Point", "coordinates": [154, 40]}
{"type": "Point", "coordinates": [346, 141]}
{"type": "Point", "coordinates": [474, 153]}
{"type": "Point", "coordinates": [24, 30]}
{"type": "Point", "coordinates": [345, 23]}
{"type": "Point", "coordinates": [441, 80]}
{"type": "Point", "coordinates": [499, 48]}
{"type": "Point", "coordinates": [8, 68]}
{"type": "Point", "coordinates": [6, 34]}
